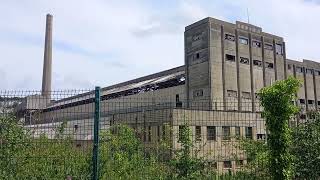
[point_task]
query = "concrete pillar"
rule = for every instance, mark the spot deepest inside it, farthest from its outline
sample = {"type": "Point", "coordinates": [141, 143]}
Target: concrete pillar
{"type": "Point", "coordinates": [47, 61]}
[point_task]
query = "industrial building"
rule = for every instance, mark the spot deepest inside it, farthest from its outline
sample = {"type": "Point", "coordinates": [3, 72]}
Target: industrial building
{"type": "Point", "coordinates": [215, 92]}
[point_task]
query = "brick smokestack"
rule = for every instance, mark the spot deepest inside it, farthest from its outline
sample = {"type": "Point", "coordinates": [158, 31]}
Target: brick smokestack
{"type": "Point", "coordinates": [47, 61]}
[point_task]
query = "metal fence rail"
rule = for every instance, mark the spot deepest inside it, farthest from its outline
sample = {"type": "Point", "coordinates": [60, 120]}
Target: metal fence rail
{"type": "Point", "coordinates": [79, 135]}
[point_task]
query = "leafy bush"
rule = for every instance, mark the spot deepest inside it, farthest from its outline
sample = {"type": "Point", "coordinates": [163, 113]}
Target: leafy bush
{"type": "Point", "coordinates": [122, 156]}
{"type": "Point", "coordinates": [25, 158]}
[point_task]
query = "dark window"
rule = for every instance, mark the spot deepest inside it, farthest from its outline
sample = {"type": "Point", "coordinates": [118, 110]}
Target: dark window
{"type": "Point", "coordinates": [197, 55]}
{"type": "Point", "coordinates": [302, 101]}
{"type": "Point", "coordinates": [198, 133]}
{"type": "Point", "coordinates": [279, 49]}
{"type": "Point", "coordinates": [229, 37]}
{"type": "Point", "coordinates": [319, 103]}
{"type": "Point", "coordinates": [289, 66]}
{"type": "Point", "coordinates": [227, 164]}
{"type": "Point", "coordinates": [244, 60]}
{"type": "Point", "coordinates": [310, 101]}
{"type": "Point", "coordinates": [249, 132]}
{"type": "Point", "coordinates": [299, 69]}
{"type": "Point", "coordinates": [198, 93]}
{"type": "Point", "coordinates": [269, 65]}
{"type": "Point", "coordinates": [225, 133]}
{"type": "Point", "coordinates": [309, 71]}
{"type": "Point", "coordinates": [211, 133]}
{"type": "Point", "coordinates": [257, 63]}
{"type": "Point", "coordinates": [178, 102]}
{"type": "Point", "coordinates": [230, 57]}
{"type": "Point", "coordinates": [243, 40]}
{"type": "Point", "coordinates": [256, 44]}
{"type": "Point", "coordinates": [317, 73]}
{"type": "Point", "coordinates": [268, 46]}
{"type": "Point", "coordinates": [237, 132]}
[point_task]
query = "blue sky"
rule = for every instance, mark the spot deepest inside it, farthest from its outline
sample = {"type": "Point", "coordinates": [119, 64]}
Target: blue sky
{"type": "Point", "coordinates": [102, 42]}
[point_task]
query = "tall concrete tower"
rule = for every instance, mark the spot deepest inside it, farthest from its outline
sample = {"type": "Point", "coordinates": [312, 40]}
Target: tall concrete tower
{"type": "Point", "coordinates": [47, 62]}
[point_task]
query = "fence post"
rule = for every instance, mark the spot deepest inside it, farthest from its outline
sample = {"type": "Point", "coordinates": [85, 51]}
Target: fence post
{"type": "Point", "coordinates": [95, 157]}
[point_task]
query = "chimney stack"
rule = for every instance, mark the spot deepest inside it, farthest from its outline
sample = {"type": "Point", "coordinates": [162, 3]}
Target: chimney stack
{"type": "Point", "coordinates": [47, 61]}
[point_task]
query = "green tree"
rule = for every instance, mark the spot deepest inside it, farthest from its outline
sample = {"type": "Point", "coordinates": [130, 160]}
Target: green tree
{"type": "Point", "coordinates": [278, 109]}
{"type": "Point", "coordinates": [306, 148]}
{"type": "Point", "coordinates": [186, 163]}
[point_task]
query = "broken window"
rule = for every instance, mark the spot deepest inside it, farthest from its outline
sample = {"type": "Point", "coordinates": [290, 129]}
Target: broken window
{"type": "Point", "coordinates": [178, 102]}
{"type": "Point", "coordinates": [249, 132]}
{"type": "Point", "coordinates": [269, 65]}
{"type": "Point", "coordinates": [310, 102]}
{"type": "Point", "coordinates": [197, 37]}
{"type": "Point", "coordinates": [246, 95]}
{"type": "Point", "coordinates": [243, 40]}
{"type": "Point", "coordinates": [256, 43]}
{"type": "Point", "coordinates": [244, 60]}
{"type": "Point", "coordinates": [197, 55]}
{"type": "Point", "coordinates": [225, 133]}
{"type": "Point", "coordinates": [289, 66]}
{"type": "Point", "coordinates": [229, 37]}
{"type": "Point", "coordinates": [211, 133]}
{"type": "Point", "coordinates": [268, 46]}
{"type": "Point", "coordinates": [230, 57]}
{"type": "Point", "coordinates": [232, 93]}
{"type": "Point", "coordinates": [198, 93]}
{"type": "Point", "coordinates": [279, 49]}
{"type": "Point", "coordinates": [302, 101]}
{"type": "Point", "coordinates": [227, 164]}
{"type": "Point", "coordinates": [257, 63]}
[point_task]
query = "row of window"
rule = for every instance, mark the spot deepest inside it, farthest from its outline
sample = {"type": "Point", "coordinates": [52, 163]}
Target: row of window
{"type": "Point", "coordinates": [255, 43]}
{"type": "Point", "coordinates": [301, 70]}
{"type": "Point", "coordinates": [244, 60]}
{"type": "Point", "coordinates": [311, 102]}
{"type": "Point", "coordinates": [212, 133]}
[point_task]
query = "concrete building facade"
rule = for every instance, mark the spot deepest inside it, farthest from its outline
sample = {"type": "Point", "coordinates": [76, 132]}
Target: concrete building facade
{"type": "Point", "coordinates": [215, 92]}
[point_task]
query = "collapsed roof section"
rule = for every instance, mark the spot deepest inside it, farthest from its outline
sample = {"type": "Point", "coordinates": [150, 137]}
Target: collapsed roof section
{"type": "Point", "coordinates": [161, 80]}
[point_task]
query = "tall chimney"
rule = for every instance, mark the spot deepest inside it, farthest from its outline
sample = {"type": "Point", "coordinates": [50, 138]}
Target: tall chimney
{"type": "Point", "coordinates": [47, 62]}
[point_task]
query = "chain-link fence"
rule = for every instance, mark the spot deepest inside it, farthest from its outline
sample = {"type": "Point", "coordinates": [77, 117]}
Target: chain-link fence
{"type": "Point", "coordinates": [89, 134]}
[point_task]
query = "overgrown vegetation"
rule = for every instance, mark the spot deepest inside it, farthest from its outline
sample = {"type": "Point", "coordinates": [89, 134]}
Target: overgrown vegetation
{"type": "Point", "coordinates": [287, 153]}
{"type": "Point", "coordinates": [278, 110]}
{"type": "Point", "coordinates": [22, 157]}
{"type": "Point", "coordinates": [306, 149]}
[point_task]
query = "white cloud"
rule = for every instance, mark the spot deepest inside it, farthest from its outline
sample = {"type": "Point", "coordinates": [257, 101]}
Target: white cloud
{"type": "Point", "coordinates": [103, 42]}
